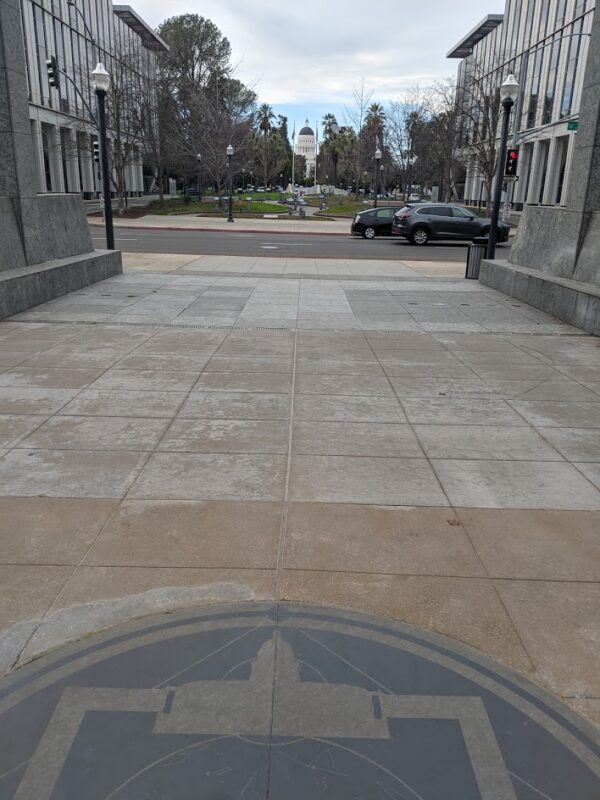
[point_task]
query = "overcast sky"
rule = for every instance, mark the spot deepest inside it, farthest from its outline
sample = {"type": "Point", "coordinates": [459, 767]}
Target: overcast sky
{"type": "Point", "coordinates": [304, 57]}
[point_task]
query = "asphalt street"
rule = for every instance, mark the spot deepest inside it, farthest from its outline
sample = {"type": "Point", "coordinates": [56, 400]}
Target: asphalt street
{"type": "Point", "coordinates": [134, 240]}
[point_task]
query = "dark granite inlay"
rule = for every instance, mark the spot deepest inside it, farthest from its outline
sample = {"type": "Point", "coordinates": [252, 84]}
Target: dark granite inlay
{"type": "Point", "coordinates": [289, 702]}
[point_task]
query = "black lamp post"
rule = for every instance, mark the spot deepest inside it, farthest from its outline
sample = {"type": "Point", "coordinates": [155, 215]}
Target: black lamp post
{"type": "Point", "coordinates": [229, 156]}
{"type": "Point", "coordinates": [378, 155]}
{"type": "Point", "coordinates": [101, 82]}
{"type": "Point", "coordinates": [509, 92]}
{"type": "Point", "coordinates": [199, 160]}
{"type": "Point", "coordinates": [381, 182]}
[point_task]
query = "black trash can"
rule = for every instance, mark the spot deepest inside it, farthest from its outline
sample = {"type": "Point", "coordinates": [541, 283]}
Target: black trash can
{"type": "Point", "coordinates": [477, 250]}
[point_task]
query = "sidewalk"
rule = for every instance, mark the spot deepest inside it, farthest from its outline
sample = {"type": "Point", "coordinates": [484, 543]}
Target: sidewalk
{"type": "Point", "coordinates": [187, 222]}
{"type": "Point", "coordinates": [419, 448]}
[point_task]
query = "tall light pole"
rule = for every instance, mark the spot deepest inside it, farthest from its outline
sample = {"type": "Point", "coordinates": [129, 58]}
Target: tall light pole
{"type": "Point", "coordinates": [229, 157]}
{"type": "Point", "coordinates": [381, 169]}
{"type": "Point", "coordinates": [199, 160]}
{"type": "Point", "coordinates": [509, 92]}
{"type": "Point", "coordinates": [101, 82]}
{"type": "Point", "coordinates": [378, 155]}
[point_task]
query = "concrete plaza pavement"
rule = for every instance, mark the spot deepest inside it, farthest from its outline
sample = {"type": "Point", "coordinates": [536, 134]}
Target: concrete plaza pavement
{"type": "Point", "coordinates": [386, 438]}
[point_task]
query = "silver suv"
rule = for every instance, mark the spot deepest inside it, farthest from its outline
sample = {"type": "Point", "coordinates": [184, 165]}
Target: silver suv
{"type": "Point", "coordinates": [422, 222]}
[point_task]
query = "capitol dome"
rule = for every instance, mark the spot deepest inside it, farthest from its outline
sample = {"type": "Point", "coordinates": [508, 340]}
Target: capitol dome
{"type": "Point", "coordinates": [307, 147]}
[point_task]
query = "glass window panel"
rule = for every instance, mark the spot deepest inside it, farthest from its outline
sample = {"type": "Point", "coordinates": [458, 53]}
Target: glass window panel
{"type": "Point", "coordinates": [551, 83]}
{"type": "Point", "coordinates": [571, 71]}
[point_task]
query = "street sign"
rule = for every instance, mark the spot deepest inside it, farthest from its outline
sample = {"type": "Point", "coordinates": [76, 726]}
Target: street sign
{"type": "Point", "coordinates": [573, 125]}
{"type": "Point", "coordinates": [510, 178]}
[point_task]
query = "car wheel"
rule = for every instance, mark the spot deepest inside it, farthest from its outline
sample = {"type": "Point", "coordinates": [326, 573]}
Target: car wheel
{"type": "Point", "coordinates": [419, 236]}
{"type": "Point", "coordinates": [369, 233]}
{"type": "Point", "coordinates": [485, 232]}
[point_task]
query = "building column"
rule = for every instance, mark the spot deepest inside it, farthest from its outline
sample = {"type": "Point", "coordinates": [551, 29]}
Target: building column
{"type": "Point", "coordinates": [36, 131]}
{"type": "Point", "coordinates": [87, 166]}
{"type": "Point", "coordinates": [520, 193]}
{"type": "Point", "coordinates": [568, 166]}
{"type": "Point", "coordinates": [534, 181]}
{"type": "Point", "coordinates": [72, 160]}
{"type": "Point", "coordinates": [552, 173]}
{"type": "Point", "coordinates": [55, 156]}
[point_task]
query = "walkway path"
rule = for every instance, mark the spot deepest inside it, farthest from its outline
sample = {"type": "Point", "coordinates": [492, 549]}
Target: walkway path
{"type": "Point", "coordinates": [416, 447]}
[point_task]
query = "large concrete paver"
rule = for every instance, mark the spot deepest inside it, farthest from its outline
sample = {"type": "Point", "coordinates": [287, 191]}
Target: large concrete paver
{"type": "Point", "coordinates": [286, 441]}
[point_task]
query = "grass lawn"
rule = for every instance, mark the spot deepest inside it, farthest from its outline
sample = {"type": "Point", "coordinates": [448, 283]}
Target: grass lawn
{"type": "Point", "coordinates": [175, 206]}
{"type": "Point", "coordinates": [349, 207]}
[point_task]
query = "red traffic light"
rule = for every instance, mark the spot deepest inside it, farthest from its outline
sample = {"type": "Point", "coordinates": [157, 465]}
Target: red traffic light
{"type": "Point", "coordinates": [512, 160]}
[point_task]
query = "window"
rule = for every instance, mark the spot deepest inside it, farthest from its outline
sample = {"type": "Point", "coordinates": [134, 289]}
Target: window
{"type": "Point", "coordinates": [535, 90]}
{"type": "Point", "coordinates": [40, 45]}
{"type": "Point", "coordinates": [528, 33]}
{"type": "Point", "coordinates": [385, 213]}
{"type": "Point", "coordinates": [566, 103]}
{"type": "Point", "coordinates": [461, 213]}
{"type": "Point", "coordinates": [544, 14]}
{"type": "Point", "coordinates": [436, 211]}
{"type": "Point", "coordinates": [561, 10]}
{"type": "Point", "coordinates": [514, 37]}
{"type": "Point", "coordinates": [551, 84]}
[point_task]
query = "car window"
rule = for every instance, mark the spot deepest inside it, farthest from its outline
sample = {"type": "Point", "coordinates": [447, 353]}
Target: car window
{"type": "Point", "coordinates": [436, 211]}
{"type": "Point", "coordinates": [461, 213]}
{"type": "Point", "coordinates": [385, 213]}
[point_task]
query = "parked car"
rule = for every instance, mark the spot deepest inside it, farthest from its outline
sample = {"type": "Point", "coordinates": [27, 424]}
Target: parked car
{"type": "Point", "coordinates": [422, 222]}
{"type": "Point", "coordinates": [261, 189]}
{"type": "Point", "coordinates": [414, 198]}
{"type": "Point", "coordinates": [373, 222]}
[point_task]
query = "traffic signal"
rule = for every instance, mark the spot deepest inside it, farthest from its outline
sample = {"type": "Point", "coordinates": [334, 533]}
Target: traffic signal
{"type": "Point", "coordinates": [512, 162]}
{"type": "Point", "coordinates": [96, 151]}
{"type": "Point", "coordinates": [52, 70]}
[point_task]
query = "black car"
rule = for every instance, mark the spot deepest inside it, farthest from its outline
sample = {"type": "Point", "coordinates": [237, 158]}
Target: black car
{"type": "Point", "coordinates": [422, 222]}
{"type": "Point", "coordinates": [373, 222]}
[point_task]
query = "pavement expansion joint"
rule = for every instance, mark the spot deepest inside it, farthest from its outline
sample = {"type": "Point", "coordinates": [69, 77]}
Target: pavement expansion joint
{"type": "Point", "coordinates": [269, 700]}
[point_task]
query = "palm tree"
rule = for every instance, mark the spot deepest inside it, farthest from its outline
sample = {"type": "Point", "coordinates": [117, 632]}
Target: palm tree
{"type": "Point", "coordinates": [265, 127]}
{"type": "Point", "coordinates": [265, 119]}
{"type": "Point", "coordinates": [330, 125]}
{"type": "Point", "coordinates": [375, 120]}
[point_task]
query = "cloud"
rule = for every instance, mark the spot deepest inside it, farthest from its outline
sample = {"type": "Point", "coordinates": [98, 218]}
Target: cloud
{"type": "Point", "coordinates": [317, 51]}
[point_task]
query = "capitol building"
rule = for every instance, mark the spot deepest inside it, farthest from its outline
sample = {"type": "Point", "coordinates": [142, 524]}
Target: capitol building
{"type": "Point", "coordinates": [307, 147]}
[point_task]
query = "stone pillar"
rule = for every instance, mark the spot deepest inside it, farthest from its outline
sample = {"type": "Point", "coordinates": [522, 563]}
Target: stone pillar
{"type": "Point", "coordinates": [87, 165]}
{"type": "Point", "coordinates": [534, 180]}
{"type": "Point", "coordinates": [552, 173]}
{"type": "Point", "coordinates": [55, 153]}
{"type": "Point", "coordinates": [36, 132]}
{"type": "Point", "coordinates": [72, 160]}
{"type": "Point", "coordinates": [38, 230]}
{"type": "Point", "coordinates": [17, 173]}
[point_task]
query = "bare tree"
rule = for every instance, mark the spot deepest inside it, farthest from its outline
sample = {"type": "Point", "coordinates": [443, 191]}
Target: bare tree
{"type": "Point", "coordinates": [478, 115]}
{"type": "Point", "coordinates": [356, 115]}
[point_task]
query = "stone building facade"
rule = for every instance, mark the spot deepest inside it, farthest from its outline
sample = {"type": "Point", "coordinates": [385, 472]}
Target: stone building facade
{"type": "Point", "coordinates": [79, 34]}
{"type": "Point", "coordinates": [544, 43]}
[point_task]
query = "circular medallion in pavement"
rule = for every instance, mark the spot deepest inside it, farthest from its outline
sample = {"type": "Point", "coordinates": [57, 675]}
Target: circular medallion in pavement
{"type": "Point", "coordinates": [287, 703]}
